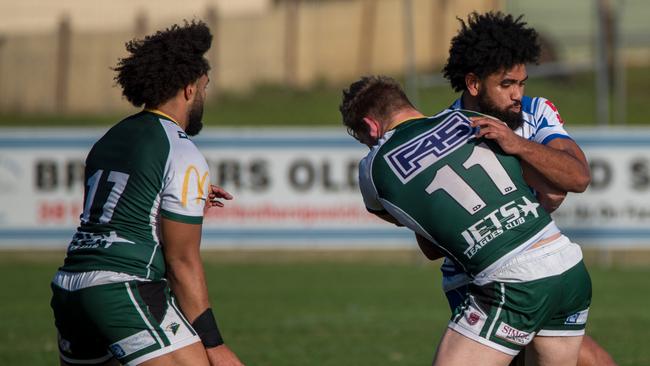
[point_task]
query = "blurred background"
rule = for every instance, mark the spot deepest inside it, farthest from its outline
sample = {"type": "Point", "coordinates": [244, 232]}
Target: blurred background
{"type": "Point", "coordinates": [300, 272]}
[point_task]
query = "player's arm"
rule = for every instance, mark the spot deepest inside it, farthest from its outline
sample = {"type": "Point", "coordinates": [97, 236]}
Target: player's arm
{"type": "Point", "coordinates": [548, 196]}
{"type": "Point", "coordinates": [181, 243]}
{"type": "Point", "coordinates": [560, 161]}
{"type": "Point", "coordinates": [186, 278]}
{"type": "Point", "coordinates": [427, 247]}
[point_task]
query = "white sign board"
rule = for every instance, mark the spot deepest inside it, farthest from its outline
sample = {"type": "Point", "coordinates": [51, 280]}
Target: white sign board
{"type": "Point", "coordinates": [615, 210]}
{"type": "Point", "coordinates": [298, 188]}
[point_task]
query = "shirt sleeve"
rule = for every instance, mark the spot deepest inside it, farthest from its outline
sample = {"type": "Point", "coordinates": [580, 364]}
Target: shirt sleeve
{"type": "Point", "coordinates": [549, 123]}
{"type": "Point", "coordinates": [186, 185]}
{"type": "Point", "coordinates": [367, 187]}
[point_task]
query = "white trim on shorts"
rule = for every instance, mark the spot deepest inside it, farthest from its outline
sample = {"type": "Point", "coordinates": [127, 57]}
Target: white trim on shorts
{"type": "Point", "coordinates": [165, 350]}
{"type": "Point", "coordinates": [93, 361]}
{"type": "Point", "coordinates": [467, 333]}
{"type": "Point", "coordinates": [73, 281]}
{"type": "Point", "coordinates": [560, 333]}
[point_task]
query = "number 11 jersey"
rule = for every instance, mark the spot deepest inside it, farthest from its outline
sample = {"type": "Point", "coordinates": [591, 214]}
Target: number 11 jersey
{"type": "Point", "coordinates": [463, 194]}
{"type": "Point", "coordinates": [142, 169]}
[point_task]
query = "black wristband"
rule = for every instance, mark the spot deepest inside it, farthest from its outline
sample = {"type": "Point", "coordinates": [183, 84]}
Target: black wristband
{"type": "Point", "coordinates": [206, 326]}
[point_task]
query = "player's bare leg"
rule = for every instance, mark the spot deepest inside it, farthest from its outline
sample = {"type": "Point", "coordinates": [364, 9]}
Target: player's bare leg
{"type": "Point", "coordinates": [458, 350]}
{"type": "Point", "coordinates": [553, 351]}
{"type": "Point", "coordinates": [520, 359]}
{"type": "Point", "coordinates": [592, 354]}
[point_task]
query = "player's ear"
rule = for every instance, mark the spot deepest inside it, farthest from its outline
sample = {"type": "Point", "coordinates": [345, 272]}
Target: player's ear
{"type": "Point", "coordinates": [472, 83]}
{"type": "Point", "coordinates": [374, 127]}
{"type": "Point", "coordinates": [189, 91]}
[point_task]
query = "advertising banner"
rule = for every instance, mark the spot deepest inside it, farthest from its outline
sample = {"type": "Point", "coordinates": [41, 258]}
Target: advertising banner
{"type": "Point", "coordinates": [299, 189]}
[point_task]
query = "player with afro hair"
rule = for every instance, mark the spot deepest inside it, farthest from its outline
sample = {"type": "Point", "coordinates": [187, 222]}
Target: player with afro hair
{"type": "Point", "coordinates": [487, 64]}
{"type": "Point", "coordinates": [488, 43]}
{"type": "Point", "coordinates": [138, 241]}
{"type": "Point", "coordinates": [163, 63]}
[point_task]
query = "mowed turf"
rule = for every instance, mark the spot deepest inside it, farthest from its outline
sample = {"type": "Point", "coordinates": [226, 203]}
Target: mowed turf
{"type": "Point", "coordinates": [320, 310]}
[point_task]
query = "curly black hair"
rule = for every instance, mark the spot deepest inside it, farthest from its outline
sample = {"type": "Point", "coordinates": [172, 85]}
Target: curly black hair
{"type": "Point", "coordinates": [376, 96]}
{"type": "Point", "coordinates": [488, 43]}
{"type": "Point", "coordinates": [163, 63]}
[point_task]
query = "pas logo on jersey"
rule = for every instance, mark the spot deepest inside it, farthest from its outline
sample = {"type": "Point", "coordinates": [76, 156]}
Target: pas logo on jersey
{"type": "Point", "coordinates": [182, 135]}
{"type": "Point", "coordinates": [412, 157]}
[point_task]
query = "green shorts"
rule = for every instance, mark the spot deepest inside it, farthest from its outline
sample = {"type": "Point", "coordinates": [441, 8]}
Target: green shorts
{"type": "Point", "coordinates": [542, 292]}
{"type": "Point", "coordinates": [133, 321]}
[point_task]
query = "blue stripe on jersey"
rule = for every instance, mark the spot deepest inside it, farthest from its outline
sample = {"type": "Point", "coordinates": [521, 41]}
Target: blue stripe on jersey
{"type": "Point", "coordinates": [554, 136]}
{"type": "Point", "coordinates": [526, 103]}
{"type": "Point", "coordinates": [543, 124]}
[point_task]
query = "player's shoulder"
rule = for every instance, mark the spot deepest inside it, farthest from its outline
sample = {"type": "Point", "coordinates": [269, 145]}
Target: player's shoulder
{"type": "Point", "coordinates": [537, 106]}
{"type": "Point", "coordinates": [178, 140]}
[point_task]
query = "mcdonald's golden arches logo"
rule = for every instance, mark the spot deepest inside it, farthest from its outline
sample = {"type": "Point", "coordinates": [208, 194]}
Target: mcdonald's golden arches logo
{"type": "Point", "coordinates": [200, 181]}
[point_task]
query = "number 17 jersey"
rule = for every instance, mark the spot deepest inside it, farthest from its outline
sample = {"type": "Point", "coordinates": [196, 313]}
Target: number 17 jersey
{"type": "Point", "coordinates": [142, 169]}
{"type": "Point", "coordinates": [462, 193]}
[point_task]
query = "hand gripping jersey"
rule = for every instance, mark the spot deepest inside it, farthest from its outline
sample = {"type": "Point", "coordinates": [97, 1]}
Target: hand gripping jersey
{"type": "Point", "coordinates": [461, 193]}
{"type": "Point", "coordinates": [143, 168]}
{"type": "Point", "coordinates": [542, 124]}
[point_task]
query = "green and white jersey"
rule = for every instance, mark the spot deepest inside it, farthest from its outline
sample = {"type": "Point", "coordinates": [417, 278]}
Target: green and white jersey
{"type": "Point", "coordinates": [463, 194]}
{"type": "Point", "coordinates": [143, 168]}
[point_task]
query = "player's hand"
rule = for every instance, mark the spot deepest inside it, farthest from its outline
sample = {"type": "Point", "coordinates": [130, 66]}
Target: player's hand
{"type": "Point", "coordinates": [222, 356]}
{"type": "Point", "coordinates": [494, 129]}
{"type": "Point", "coordinates": [214, 194]}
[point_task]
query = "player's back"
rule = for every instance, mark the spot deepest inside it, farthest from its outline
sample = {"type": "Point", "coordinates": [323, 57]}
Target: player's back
{"type": "Point", "coordinates": [464, 193]}
{"type": "Point", "coordinates": [125, 174]}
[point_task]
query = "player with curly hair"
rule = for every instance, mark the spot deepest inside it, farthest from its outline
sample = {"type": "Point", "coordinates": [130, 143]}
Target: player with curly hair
{"type": "Point", "coordinates": [487, 64]}
{"type": "Point", "coordinates": [132, 288]}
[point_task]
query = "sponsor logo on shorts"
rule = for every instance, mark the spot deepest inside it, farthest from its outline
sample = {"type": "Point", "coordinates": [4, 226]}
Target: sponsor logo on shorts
{"type": "Point", "coordinates": [513, 335]}
{"type": "Point", "coordinates": [117, 351]}
{"type": "Point", "coordinates": [473, 318]}
{"type": "Point", "coordinates": [132, 344]}
{"type": "Point", "coordinates": [578, 318]}
{"type": "Point", "coordinates": [64, 344]}
{"type": "Point", "coordinates": [173, 327]}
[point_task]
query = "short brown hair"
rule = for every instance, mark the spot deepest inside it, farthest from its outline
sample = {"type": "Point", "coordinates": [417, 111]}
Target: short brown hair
{"type": "Point", "coordinates": [375, 96]}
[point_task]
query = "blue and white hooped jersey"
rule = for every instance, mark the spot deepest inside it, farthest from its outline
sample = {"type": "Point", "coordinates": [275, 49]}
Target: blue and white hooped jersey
{"type": "Point", "coordinates": [542, 124]}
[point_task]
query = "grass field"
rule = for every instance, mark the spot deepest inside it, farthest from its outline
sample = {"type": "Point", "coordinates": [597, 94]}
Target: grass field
{"type": "Point", "coordinates": [270, 106]}
{"type": "Point", "coordinates": [284, 310]}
